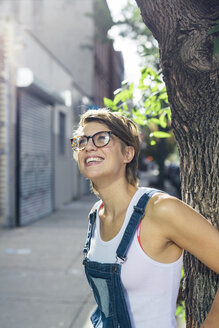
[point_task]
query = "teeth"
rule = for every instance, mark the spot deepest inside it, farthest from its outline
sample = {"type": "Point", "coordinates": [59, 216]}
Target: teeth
{"type": "Point", "coordinates": [93, 159]}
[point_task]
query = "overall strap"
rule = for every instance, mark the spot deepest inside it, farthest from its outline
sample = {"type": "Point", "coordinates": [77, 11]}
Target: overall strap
{"type": "Point", "coordinates": [92, 218]}
{"type": "Point", "coordinates": [131, 228]}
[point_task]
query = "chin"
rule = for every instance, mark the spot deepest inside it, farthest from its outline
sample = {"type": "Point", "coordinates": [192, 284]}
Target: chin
{"type": "Point", "coordinates": [91, 175]}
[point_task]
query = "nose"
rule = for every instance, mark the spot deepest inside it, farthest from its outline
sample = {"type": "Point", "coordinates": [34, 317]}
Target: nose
{"type": "Point", "coordinates": [90, 145]}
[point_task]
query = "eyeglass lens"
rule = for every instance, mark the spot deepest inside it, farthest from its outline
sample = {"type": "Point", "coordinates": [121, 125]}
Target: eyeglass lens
{"type": "Point", "coordinates": [100, 139]}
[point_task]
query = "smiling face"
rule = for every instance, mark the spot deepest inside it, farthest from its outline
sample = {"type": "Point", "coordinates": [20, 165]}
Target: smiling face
{"type": "Point", "coordinates": [102, 165]}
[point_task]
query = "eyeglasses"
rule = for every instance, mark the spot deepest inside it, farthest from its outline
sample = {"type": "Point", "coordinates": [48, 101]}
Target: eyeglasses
{"type": "Point", "coordinates": [99, 139]}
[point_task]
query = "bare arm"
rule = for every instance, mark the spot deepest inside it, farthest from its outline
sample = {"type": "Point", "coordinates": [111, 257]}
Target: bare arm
{"type": "Point", "coordinates": [188, 229]}
{"type": "Point", "coordinates": [191, 231]}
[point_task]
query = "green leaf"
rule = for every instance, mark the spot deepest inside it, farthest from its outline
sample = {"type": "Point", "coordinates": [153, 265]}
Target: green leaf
{"type": "Point", "coordinates": [125, 106]}
{"type": "Point", "coordinates": [150, 112]}
{"type": "Point", "coordinates": [144, 73]}
{"type": "Point", "coordinates": [109, 103]}
{"type": "Point", "coordinates": [168, 112]}
{"type": "Point", "coordinates": [163, 96]}
{"type": "Point", "coordinates": [155, 89]}
{"type": "Point", "coordinates": [163, 120]}
{"type": "Point", "coordinates": [124, 95]}
{"type": "Point", "coordinates": [139, 118]}
{"type": "Point", "coordinates": [152, 142]}
{"type": "Point", "coordinates": [142, 87]}
{"type": "Point", "coordinates": [117, 98]}
{"type": "Point", "coordinates": [160, 134]}
{"type": "Point", "coordinates": [179, 310]}
{"type": "Point", "coordinates": [154, 120]}
{"type": "Point", "coordinates": [147, 103]}
{"type": "Point", "coordinates": [131, 89]}
{"type": "Point", "coordinates": [155, 106]}
{"type": "Point", "coordinates": [151, 72]}
{"type": "Point", "coordinates": [182, 273]}
{"type": "Point", "coordinates": [166, 109]}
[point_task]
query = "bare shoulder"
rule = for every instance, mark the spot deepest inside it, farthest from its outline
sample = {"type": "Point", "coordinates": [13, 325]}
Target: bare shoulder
{"type": "Point", "coordinates": [169, 211]}
{"type": "Point", "coordinates": [162, 205]}
{"type": "Point", "coordinates": [184, 226]}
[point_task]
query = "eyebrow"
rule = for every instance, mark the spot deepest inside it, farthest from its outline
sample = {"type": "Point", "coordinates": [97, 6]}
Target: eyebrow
{"type": "Point", "coordinates": [84, 135]}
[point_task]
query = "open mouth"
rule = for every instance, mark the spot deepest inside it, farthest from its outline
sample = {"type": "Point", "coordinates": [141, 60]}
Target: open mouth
{"type": "Point", "coordinates": [91, 160]}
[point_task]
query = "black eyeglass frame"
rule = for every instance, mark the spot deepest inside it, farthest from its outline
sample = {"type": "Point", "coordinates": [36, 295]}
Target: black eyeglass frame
{"type": "Point", "coordinates": [74, 140]}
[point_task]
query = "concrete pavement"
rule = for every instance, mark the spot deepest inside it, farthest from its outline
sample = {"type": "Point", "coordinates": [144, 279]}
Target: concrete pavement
{"type": "Point", "coordinates": [42, 284]}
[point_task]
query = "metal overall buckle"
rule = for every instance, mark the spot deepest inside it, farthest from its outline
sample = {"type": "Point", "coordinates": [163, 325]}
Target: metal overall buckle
{"type": "Point", "coordinates": [120, 259]}
{"type": "Point", "coordinates": [85, 256]}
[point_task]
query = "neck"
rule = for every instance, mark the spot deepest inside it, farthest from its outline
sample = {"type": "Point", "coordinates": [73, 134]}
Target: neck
{"type": "Point", "coordinates": [116, 197]}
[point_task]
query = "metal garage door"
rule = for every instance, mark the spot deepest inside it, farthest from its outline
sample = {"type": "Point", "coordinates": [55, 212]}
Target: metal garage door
{"type": "Point", "coordinates": [35, 158]}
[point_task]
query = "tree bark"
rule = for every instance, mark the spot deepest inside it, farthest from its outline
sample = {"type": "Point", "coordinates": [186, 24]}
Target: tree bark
{"type": "Point", "coordinates": [191, 74]}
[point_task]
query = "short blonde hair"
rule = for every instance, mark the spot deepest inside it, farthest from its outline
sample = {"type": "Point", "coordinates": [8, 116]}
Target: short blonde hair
{"type": "Point", "coordinates": [122, 127]}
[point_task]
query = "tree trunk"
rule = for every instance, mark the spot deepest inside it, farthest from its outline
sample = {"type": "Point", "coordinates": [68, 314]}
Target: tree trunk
{"type": "Point", "coordinates": [191, 74]}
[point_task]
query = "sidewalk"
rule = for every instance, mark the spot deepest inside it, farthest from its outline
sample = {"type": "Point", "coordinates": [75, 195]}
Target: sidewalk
{"type": "Point", "coordinates": [42, 283]}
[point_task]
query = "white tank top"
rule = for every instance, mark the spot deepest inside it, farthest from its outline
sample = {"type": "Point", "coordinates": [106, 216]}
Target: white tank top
{"type": "Point", "coordinates": [151, 287]}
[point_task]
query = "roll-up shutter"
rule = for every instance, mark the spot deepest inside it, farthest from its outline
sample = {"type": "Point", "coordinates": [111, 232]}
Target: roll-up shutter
{"type": "Point", "coordinates": [35, 158]}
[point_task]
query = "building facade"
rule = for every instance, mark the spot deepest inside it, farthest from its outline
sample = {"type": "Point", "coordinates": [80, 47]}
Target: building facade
{"type": "Point", "coordinates": [36, 117]}
{"type": "Point", "coordinates": [52, 69]}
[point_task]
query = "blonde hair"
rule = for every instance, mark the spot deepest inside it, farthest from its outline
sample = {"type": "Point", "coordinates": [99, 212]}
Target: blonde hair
{"type": "Point", "coordinates": [122, 127]}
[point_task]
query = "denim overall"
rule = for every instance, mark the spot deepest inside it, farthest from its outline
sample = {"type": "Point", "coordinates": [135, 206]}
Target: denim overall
{"type": "Point", "coordinates": [105, 278]}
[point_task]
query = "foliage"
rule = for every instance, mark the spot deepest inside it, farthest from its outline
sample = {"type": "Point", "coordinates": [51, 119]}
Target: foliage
{"type": "Point", "coordinates": [150, 109]}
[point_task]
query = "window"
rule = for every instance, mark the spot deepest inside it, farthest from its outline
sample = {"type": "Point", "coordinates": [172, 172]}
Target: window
{"type": "Point", "coordinates": [62, 119]}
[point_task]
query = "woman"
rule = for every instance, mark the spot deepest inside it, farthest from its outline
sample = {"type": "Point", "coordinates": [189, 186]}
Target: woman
{"type": "Point", "coordinates": [133, 256]}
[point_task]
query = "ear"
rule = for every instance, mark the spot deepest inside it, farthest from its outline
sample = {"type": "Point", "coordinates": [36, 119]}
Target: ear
{"type": "Point", "coordinates": [129, 154]}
